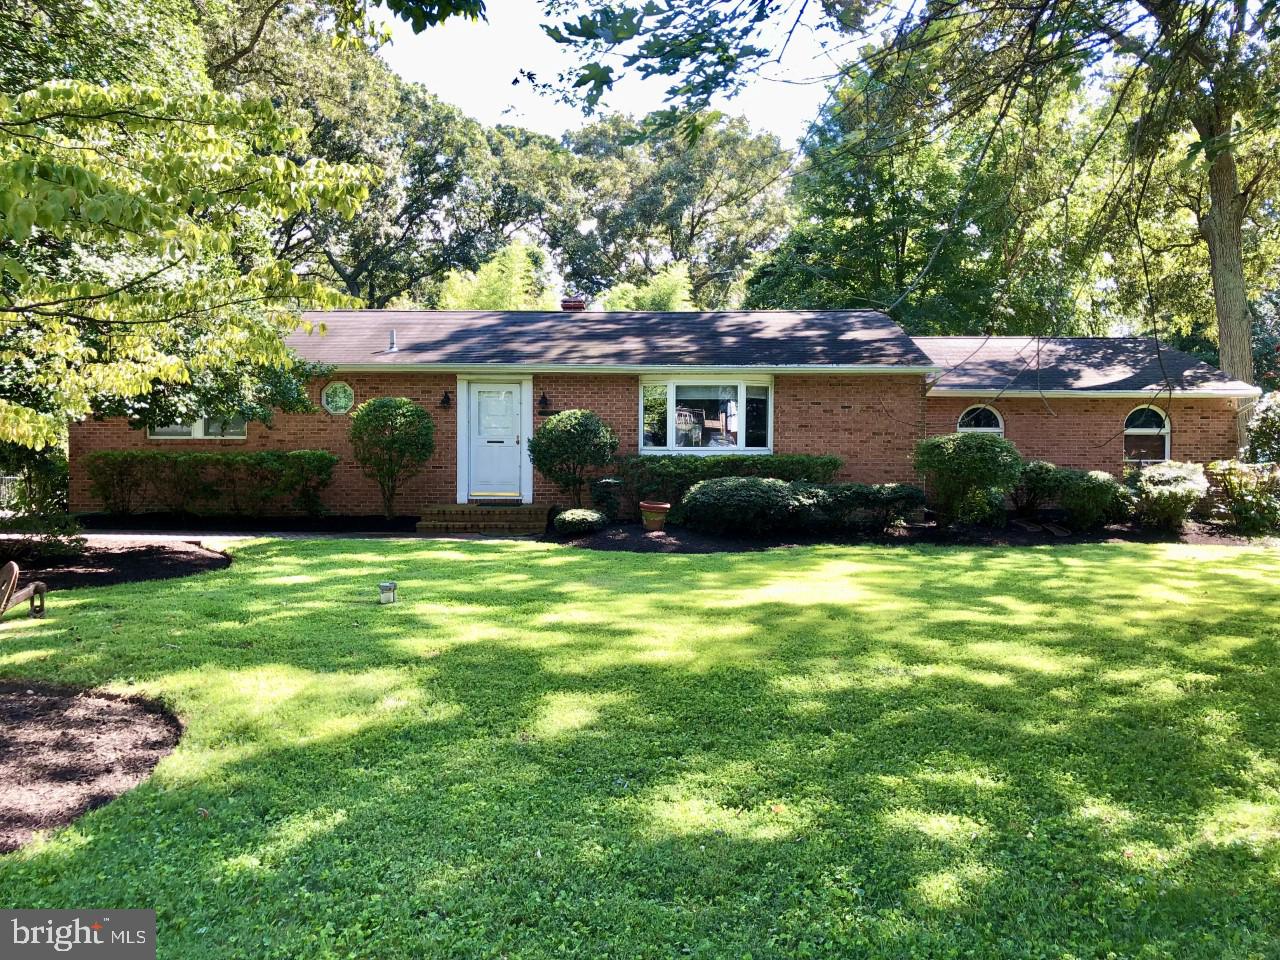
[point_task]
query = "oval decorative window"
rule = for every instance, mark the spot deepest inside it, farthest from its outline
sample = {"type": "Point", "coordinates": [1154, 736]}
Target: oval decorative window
{"type": "Point", "coordinates": [337, 397]}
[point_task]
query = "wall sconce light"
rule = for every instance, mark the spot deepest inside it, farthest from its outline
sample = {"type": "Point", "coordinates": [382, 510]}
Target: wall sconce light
{"type": "Point", "coordinates": [387, 592]}
{"type": "Point", "coordinates": [445, 402]}
{"type": "Point", "coordinates": [543, 403]}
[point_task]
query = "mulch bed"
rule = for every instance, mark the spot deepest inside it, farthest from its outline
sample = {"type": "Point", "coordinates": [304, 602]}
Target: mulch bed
{"type": "Point", "coordinates": [64, 752]}
{"type": "Point", "coordinates": [634, 538]}
{"type": "Point", "coordinates": [106, 562]}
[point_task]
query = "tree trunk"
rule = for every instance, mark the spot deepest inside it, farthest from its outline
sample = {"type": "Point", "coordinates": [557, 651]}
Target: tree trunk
{"type": "Point", "coordinates": [1222, 231]}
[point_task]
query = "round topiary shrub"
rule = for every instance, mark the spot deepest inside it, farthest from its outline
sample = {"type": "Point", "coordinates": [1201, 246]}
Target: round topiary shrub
{"type": "Point", "coordinates": [751, 507]}
{"type": "Point", "coordinates": [1167, 492]}
{"type": "Point", "coordinates": [1037, 487]}
{"type": "Point", "coordinates": [569, 444]}
{"type": "Point", "coordinates": [1091, 500]}
{"type": "Point", "coordinates": [578, 522]}
{"type": "Point", "coordinates": [391, 438]}
{"type": "Point", "coordinates": [968, 475]}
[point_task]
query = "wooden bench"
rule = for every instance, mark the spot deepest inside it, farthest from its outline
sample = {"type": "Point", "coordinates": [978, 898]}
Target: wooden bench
{"type": "Point", "coordinates": [11, 596]}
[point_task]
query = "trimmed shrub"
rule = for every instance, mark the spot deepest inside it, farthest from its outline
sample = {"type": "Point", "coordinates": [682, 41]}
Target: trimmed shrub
{"type": "Point", "coordinates": [862, 506]}
{"type": "Point", "coordinates": [668, 477]}
{"type": "Point", "coordinates": [391, 438]}
{"type": "Point", "coordinates": [119, 478]}
{"type": "Point", "coordinates": [1264, 430]}
{"type": "Point", "coordinates": [1245, 496]}
{"type": "Point", "coordinates": [1037, 487]}
{"type": "Point", "coordinates": [1091, 500]}
{"type": "Point", "coordinates": [182, 482]}
{"type": "Point", "coordinates": [1167, 492]}
{"type": "Point", "coordinates": [304, 475]}
{"type": "Point", "coordinates": [981, 507]}
{"type": "Point", "coordinates": [606, 496]}
{"type": "Point", "coordinates": [186, 482]}
{"type": "Point", "coordinates": [579, 521]}
{"type": "Point", "coordinates": [750, 506]}
{"type": "Point", "coordinates": [966, 473]}
{"type": "Point", "coordinates": [567, 445]}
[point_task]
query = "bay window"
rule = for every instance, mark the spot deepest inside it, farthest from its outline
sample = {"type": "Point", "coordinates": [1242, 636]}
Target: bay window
{"type": "Point", "coordinates": [705, 415]}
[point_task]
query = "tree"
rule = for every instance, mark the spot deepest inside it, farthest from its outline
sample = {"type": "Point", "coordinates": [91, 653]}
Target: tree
{"type": "Point", "coordinates": [439, 204]}
{"type": "Point", "coordinates": [1264, 430]}
{"type": "Point", "coordinates": [1177, 72]}
{"type": "Point", "coordinates": [667, 291]}
{"type": "Point", "coordinates": [643, 198]}
{"type": "Point", "coordinates": [874, 226]}
{"type": "Point", "coordinates": [391, 439]}
{"type": "Point", "coordinates": [122, 215]}
{"type": "Point", "coordinates": [567, 445]}
{"type": "Point", "coordinates": [239, 391]}
{"type": "Point", "coordinates": [512, 279]}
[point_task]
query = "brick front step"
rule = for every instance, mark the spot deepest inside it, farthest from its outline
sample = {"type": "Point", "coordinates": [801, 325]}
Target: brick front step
{"type": "Point", "coordinates": [453, 518]}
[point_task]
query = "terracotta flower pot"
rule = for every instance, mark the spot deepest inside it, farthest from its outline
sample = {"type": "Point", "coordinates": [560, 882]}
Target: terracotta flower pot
{"type": "Point", "coordinates": [654, 514]}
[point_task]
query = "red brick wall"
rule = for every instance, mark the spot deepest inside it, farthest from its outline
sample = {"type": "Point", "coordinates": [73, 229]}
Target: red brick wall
{"type": "Point", "coordinates": [871, 422]}
{"type": "Point", "coordinates": [351, 492]}
{"type": "Point", "coordinates": [614, 397]}
{"type": "Point", "coordinates": [1088, 433]}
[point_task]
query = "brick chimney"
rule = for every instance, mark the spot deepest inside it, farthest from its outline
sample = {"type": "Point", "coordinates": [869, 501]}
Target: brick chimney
{"type": "Point", "coordinates": [573, 304]}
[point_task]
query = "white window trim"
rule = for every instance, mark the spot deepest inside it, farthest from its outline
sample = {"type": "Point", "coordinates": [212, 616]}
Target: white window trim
{"type": "Point", "coordinates": [980, 406]}
{"type": "Point", "coordinates": [1163, 431]}
{"type": "Point", "coordinates": [672, 382]}
{"type": "Point", "coordinates": [197, 433]}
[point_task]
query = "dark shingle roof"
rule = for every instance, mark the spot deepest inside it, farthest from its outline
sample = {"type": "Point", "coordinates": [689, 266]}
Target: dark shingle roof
{"type": "Point", "coordinates": [821, 338]}
{"type": "Point", "coordinates": [1089, 364]}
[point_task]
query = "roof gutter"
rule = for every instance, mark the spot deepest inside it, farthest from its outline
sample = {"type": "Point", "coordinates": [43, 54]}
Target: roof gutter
{"type": "Point", "coordinates": [637, 368]}
{"type": "Point", "coordinates": [1227, 393]}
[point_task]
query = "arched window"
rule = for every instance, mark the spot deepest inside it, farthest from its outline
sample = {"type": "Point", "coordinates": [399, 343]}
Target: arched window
{"type": "Point", "coordinates": [981, 419]}
{"type": "Point", "coordinates": [1146, 435]}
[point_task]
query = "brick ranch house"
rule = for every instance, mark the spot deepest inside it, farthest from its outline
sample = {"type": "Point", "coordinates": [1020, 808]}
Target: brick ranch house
{"type": "Point", "coordinates": [849, 383]}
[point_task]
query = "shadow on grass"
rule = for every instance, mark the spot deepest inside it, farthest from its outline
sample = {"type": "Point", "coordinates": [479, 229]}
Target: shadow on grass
{"type": "Point", "coordinates": [824, 751]}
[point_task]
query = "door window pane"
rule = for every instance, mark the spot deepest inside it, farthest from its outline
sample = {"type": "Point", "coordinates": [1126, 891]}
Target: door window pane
{"type": "Point", "coordinates": [654, 398]}
{"type": "Point", "coordinates": [706, 415]}
{"type": "Point", "coordinates": [497, 413]}
{"type": "Point", "coordinates": [757, 417]}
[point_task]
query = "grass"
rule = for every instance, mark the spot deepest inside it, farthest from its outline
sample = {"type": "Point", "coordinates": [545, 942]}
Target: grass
{"type": "Point", "coordinates": [828, 752]}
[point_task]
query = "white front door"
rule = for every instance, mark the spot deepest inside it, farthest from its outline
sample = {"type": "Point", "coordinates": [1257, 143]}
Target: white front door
{"type": "Point", "coordinates": [496, 448]}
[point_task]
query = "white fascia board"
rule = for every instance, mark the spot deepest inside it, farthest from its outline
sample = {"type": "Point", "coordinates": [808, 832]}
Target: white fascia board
{"type": "Point", "coordinates": [1230, 393]}
{"type": "Point", "coordinates": [526, 369]}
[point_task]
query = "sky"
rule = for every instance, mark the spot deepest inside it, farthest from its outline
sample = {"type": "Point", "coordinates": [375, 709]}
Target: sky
{"type": "Point", "coordinates": [471, 65]}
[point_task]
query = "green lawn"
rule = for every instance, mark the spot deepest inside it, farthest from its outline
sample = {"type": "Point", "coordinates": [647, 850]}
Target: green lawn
{"type": "Point", "coordinates": [840, 752]}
